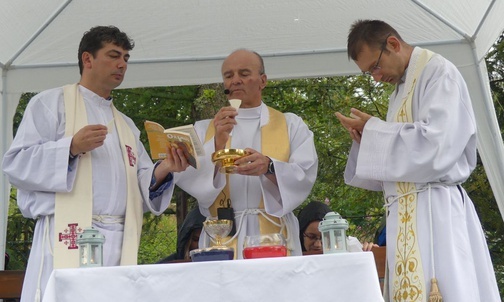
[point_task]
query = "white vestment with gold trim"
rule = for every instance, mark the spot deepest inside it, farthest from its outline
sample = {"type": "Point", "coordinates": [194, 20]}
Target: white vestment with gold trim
{"type": "Point", "coordinates": [439, 148]}
{"type": "Point", "coordinates": [295, 178]}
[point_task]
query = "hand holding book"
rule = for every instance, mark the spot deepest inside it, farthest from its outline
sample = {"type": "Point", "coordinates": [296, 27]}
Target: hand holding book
{"type": "Point", "coordinates": [183, 137]}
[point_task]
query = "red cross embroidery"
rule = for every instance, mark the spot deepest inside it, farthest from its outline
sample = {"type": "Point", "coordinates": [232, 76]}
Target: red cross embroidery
{"type": "Point", "coordinates": [131, 156]}
{"type": "Point", "coordinates": [69, 236]}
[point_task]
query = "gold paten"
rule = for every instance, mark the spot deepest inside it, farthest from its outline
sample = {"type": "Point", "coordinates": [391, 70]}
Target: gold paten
{"type": "Point", "coordinates": [225, 158]}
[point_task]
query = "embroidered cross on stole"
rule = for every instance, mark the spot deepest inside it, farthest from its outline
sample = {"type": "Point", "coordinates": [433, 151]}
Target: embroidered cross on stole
{"type": "Point", "coordinates": [274, 143]}
{"type": "Point", "coordinates": [74, 210]}
{"type": "Point", "coordinates": [408, 283]}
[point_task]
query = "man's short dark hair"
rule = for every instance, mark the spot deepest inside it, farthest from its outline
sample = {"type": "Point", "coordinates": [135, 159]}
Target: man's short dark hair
{"type": "Point", "coordinates": [372, 33]}
{"type": "Point", "coordinates": [94, 39]}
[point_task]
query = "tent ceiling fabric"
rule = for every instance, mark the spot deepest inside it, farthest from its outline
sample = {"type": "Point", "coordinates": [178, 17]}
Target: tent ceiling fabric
{"type": "Point", "coordinates": [203, 32]}
{"type": "Point", "coordinates": [184, 42]}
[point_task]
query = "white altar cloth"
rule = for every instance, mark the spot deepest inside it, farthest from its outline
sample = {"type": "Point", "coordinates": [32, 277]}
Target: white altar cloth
{"type": "Point", "coordinates": [344, 277]}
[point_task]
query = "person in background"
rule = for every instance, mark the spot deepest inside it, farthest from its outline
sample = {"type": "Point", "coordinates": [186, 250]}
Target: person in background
{"type": "Point", "coordinates": [419, 157]}
{"type": "Point", "coordinates": [6, 263]}
{"type": "Point", "coordinates": [311, 239]}
{"type": "Point", "coordinates": [77, 162]}
{"type": "Point", "coordinates": [381, 233]}
{"type": "Point", "coordinates": [274, 177]}
{"type": "Point", "coordinates": [188, 237]}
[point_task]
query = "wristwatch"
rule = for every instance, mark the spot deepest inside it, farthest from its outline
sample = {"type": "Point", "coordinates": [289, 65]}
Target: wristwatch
{"type": "Point", "coordinates": [271, 167]}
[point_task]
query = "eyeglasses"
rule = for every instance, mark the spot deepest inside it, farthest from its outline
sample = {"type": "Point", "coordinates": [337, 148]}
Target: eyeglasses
{"type": "Point", "coordinates": [377, 67]}
{"type": "Point", "coordinates": [312, 237]}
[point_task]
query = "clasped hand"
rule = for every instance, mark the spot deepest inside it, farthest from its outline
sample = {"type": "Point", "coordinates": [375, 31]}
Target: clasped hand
{"type": "Point", "coordinates": [355, 123]}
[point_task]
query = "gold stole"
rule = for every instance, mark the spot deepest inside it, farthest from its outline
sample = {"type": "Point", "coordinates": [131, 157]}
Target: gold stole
{"type": "Point", "coordinates": [408, 277]}
{"type": "Point", "coordinates": [275, 143]}
{"type": "Point", "coordinates": [74, 210]}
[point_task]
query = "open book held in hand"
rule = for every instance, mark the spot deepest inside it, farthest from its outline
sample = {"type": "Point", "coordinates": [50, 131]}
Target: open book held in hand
{"type": "Point", "coordinates": [183, 137]}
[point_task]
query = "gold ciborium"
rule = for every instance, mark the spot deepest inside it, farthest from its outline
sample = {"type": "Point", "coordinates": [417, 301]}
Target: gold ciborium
{"type": "Point", "coordinates": [218, 229]}
{"type": "Point", "coordinates": [225, 159]}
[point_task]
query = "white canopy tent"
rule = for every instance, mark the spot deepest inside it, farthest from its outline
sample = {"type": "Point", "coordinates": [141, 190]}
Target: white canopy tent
{"type": "Point", "coordinates": [181, 42]}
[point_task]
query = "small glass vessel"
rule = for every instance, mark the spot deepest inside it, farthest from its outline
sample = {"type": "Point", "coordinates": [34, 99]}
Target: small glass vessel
{"type": "Point", "coordinates": [264, 246]}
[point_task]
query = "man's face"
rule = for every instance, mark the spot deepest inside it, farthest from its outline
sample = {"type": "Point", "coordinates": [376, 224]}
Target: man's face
{"type": "Point", "coordinates": [107, 69]}
{"type": "Point", "coordinates": [241, 75]}
{"type": "Point", "coordinates": [388, 69]}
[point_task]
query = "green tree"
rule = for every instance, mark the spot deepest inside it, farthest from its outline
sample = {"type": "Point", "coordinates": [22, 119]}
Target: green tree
{"type": "Point", "coordinates": [316, 100]}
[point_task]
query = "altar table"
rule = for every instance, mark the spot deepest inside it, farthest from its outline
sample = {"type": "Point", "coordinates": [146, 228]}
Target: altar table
{"type": "Point", "coordinates": [343, 277]}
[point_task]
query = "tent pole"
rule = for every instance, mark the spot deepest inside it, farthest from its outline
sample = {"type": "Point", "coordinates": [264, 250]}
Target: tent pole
{"type": "Point", "coordinates": [38, 32]}
{"type": "Point", "coordinates": [492, 154]}
{"type": "Point", "coordinates": [440, 18]}
{"type": "Point", "coordinates": [4, 212]}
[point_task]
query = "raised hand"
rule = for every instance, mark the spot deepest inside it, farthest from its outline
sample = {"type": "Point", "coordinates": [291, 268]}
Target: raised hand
{"type": "Point", "coordinates": [355, 123]}
{"type": "Point", "coordinates": [224, 122]}
{"type": "Point", "coordinates": [88, 138]}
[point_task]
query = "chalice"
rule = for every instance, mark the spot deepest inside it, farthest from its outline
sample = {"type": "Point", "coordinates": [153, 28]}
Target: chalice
{"type": "Point", "coordinates": [225, 159]}
{"type": "Point", "coordinates": [218, 229]}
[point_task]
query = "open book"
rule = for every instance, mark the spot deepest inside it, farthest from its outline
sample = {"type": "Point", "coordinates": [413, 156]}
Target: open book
{"type": "Point", "coordinates": [183, 137]}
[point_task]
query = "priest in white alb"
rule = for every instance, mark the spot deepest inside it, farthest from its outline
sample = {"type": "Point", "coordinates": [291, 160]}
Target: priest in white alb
{"type": "Point", "coordinates": [273, 179]}
{"type": "Point", "coordinates": [419, 157]}
{"type": "Point", "coordinates": [78, 162]}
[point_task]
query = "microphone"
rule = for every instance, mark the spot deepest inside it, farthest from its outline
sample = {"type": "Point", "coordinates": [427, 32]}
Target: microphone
{"type": "Point", "coordinates": [226, 91]}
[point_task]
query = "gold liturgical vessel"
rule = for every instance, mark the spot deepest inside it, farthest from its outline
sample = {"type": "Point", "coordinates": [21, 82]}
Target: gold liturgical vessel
{"type": "Point", "coordinates": [217, 229]}
{"type": "Point", "coordinates": [225, 159]}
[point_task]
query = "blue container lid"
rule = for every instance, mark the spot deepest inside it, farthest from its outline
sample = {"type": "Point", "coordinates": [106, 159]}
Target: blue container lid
{"type": "Point", "coordinates": [212, 254]}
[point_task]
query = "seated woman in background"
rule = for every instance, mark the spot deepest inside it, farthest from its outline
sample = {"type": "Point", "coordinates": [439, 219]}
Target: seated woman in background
{"type": "Point", "coordinates": [188, 237]}
{"type": "Point", "coordinates": [311, 239]}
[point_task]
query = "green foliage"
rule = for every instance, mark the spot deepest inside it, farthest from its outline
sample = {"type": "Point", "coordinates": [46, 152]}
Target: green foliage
{"type": "Point", "coordinates": [159, 238]}
{"type": "Point", "coordinates": [18, 116]}
{"type": "Point", "coordinates": [168, 106]}
{"type": "Point", "coordinates": [210, 100]}
{"type": "Point", "coordinates": [316, 100]}
{"type": "Point", "coordinates": [19, 235]}
{"type": "Point", "coordinates": [19, 229]}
